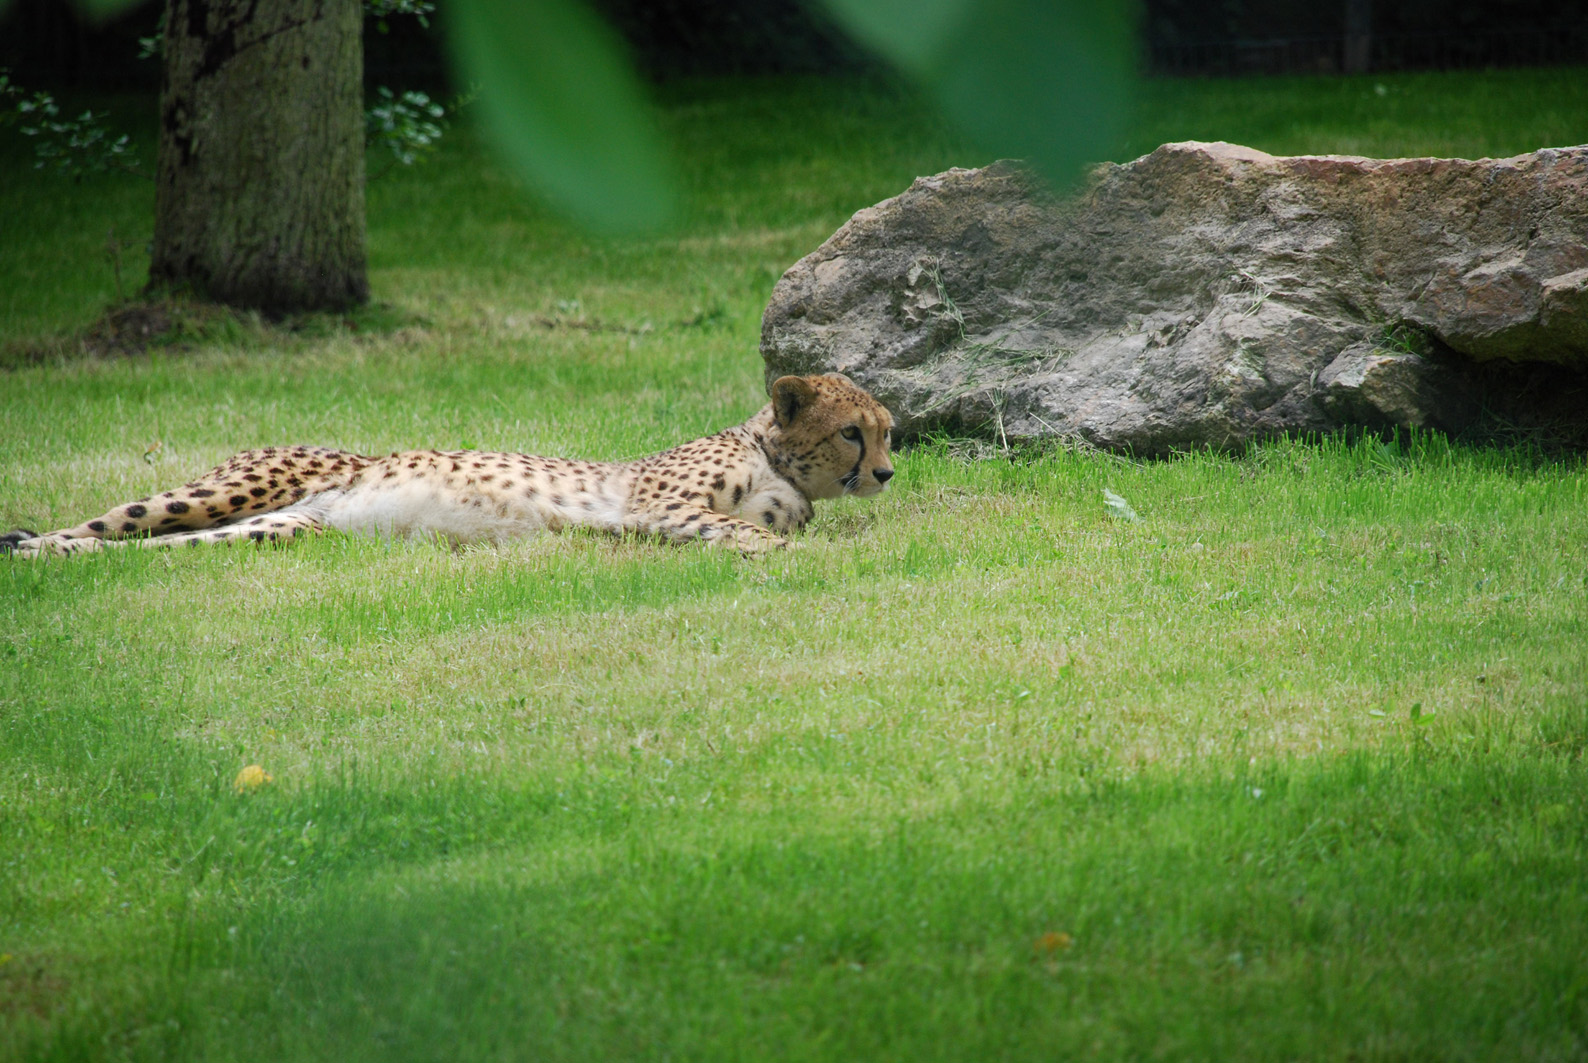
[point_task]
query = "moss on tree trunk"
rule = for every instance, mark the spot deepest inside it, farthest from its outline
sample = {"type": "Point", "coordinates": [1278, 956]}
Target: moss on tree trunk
{"type": "Point", "coordinates": [260, 200]}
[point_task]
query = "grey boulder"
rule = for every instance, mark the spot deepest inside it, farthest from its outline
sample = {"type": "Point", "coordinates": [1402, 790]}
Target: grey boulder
{"type": "Point", "coordinates": [1203, 295]}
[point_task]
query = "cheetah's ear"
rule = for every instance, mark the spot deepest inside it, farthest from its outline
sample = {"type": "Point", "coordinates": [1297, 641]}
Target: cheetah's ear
{"type": "Point", "coordinates": [790, 395]}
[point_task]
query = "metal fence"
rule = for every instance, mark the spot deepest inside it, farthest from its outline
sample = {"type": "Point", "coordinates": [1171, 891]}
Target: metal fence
{"type": "Point", "coordinates": [1384, 52]}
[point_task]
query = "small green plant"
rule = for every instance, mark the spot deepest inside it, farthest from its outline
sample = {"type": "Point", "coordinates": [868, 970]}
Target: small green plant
{"type": "Point", "coordinates": [1406, 338]}
{"type": "Point", "coordinates": [1254, 286]}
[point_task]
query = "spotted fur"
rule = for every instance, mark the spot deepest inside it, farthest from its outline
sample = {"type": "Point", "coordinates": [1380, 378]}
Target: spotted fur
{"type": "Point", "coordinates": [747, 487]}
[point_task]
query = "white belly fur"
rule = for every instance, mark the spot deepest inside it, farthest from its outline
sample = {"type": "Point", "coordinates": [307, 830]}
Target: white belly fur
{"type": "Point", "coordinates": [421, 509]}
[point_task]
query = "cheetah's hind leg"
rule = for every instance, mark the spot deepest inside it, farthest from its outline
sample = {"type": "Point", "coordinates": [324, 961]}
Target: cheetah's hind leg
{"type": "Point", "coordinates": [254, 483]}
{"type": "Point", "coordinates": [22, 543]}
{"type": "Point", "coordinates": [265, 528]}
{"type": "Point", "coordinates": [268, 527]}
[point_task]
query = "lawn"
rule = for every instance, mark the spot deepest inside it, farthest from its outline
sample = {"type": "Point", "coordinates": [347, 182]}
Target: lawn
{"type": "Point", "coordinates": [1292, 767]}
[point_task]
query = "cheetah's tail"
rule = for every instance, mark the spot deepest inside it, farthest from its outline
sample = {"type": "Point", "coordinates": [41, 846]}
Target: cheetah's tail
{"type": "Point", "coordinates": [10, 540]}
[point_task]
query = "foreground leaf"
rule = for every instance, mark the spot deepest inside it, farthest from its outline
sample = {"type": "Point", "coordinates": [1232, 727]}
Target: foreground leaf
{"type": "Point", "coordinates": [561, 103]}
{"type": "Point", "coordinates": [1045, 82]}
{"type": "Point", "coordinates": [95, 12]}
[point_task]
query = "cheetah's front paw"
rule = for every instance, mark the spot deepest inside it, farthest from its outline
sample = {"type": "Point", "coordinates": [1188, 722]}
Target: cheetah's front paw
{"type": "Point", "coordinates": [754, 545]}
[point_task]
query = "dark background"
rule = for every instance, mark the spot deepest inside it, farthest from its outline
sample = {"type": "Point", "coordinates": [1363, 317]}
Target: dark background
{"type": "Point", "coordinates": [45, 44]}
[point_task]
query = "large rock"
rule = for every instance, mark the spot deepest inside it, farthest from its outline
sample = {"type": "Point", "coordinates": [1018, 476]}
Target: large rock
{"type": "Point", "coordinates": [1205, 294]}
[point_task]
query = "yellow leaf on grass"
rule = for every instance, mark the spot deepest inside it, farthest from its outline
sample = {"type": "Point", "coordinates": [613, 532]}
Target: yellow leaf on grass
{"type": "Point", "coordinates": [1052, 942]}
{"type": "Point", "coordinates": [251, 778]}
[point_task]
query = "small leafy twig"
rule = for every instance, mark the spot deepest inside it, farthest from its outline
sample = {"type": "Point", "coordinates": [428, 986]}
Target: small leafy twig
{"type": "Point", "coordinates": [154, 47]}
{"type": "Point", "coordinates": [72, 146]}
{"type": "Point", "coordinates": [75, 146]}
{"type": "Point", "coordinates": [381, 10]}
{"type": "Point", "coordinates": [408, 126]}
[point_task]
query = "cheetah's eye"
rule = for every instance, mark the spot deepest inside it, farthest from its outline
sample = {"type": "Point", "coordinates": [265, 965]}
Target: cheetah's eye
{"type": "Point", "coordinates": [851, 433]}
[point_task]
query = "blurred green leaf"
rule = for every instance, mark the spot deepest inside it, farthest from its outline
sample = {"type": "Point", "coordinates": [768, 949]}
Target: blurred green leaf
{"type": "Point", "coordinates": [95, 12]}
{"type": "Point", "coordinates": [910, 33]}
{"type": "Point", "coordinates": [560, 101]}
{"type": "Point", "coordinates": [1048, 82]}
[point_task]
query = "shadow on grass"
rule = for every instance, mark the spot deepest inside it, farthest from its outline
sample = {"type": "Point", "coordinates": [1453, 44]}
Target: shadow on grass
{"type": "Point", "coordinates": [177, 325]}
{"type": "Point", "coordinates": [1410, 904]}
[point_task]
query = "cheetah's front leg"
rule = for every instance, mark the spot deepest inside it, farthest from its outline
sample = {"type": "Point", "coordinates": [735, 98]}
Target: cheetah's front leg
{"type": "Point", "coordinates": [689, 522]}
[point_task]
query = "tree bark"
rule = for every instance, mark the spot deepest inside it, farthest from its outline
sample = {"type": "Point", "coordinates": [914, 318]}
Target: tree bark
{"type": "Point", "coordinates": [260, 196]}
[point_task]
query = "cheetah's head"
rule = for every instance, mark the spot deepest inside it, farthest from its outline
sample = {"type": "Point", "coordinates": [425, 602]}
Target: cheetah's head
{"type": "Point", "coordinates": [830, 437]}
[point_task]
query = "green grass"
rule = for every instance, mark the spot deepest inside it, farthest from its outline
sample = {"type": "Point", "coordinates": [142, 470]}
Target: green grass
{"type": "Point", "coordinates": [1494, 113]}
{"type": "Point", "coordinates": [1293, 767]}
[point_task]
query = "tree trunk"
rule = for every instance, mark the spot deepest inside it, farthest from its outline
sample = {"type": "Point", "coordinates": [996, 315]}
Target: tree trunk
{"type": "Point", "coordinates": [260, 197]}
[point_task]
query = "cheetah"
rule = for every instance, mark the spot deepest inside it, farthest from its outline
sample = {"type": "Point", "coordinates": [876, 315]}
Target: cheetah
{"type": "Point", "coordinates": [746, 487]}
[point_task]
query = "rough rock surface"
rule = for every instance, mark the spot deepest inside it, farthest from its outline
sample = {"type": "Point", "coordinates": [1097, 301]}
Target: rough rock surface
{"type": "Point", "coordinates": [1202, 295]}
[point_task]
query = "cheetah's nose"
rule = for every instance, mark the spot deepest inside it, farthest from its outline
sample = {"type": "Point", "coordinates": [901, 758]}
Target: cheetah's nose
{"type": "Point", "coordinates": [883, 475]}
